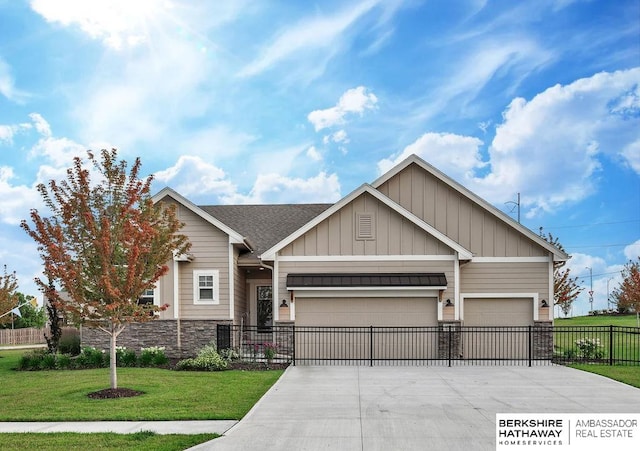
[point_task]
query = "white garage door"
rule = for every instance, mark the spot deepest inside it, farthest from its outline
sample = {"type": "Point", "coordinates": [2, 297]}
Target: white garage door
{"type": "Point", "coordinates": [366, 312]}
{"type": "Point", "coordinates": [498, 312]}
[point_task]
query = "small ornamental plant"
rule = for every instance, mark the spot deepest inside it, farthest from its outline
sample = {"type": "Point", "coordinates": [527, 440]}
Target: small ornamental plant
{"type": "Point", "coordinates": [269, 350]}
{"type": "Point", "coordinates": [153, 356]}
{"type": "Point", "coordinates": [590, 348]}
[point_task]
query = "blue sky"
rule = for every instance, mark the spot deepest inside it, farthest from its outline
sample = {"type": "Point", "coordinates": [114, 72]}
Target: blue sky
{"type": "Point", "coordinates": [270, 102]}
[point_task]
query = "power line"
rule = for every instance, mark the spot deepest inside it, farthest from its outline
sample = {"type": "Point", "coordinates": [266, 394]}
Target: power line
{"type": "Point", "coordinates": [592, 224]}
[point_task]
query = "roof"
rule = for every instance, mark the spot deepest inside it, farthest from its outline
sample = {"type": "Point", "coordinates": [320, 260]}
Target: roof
{"type": "Point", "coordinates": [366, 280]}
{"type": "Point", "coordinates": [265, 225]}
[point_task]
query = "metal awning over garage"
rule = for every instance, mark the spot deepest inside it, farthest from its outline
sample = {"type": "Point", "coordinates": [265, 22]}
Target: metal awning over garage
{"type": "Point", "coordinates": [432, 281]}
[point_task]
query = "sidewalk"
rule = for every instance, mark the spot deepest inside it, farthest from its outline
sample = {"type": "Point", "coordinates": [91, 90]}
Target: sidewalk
{"type": "Point", "coordinates": [122, 427]}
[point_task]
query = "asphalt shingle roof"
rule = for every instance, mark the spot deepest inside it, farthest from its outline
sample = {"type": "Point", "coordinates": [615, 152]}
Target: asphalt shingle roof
{"type": "Point", "coordinates": [265, 225]}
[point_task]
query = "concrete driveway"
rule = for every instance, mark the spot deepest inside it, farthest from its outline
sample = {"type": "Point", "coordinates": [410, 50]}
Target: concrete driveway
{"type": "Point", "coordinates": [413, 408]}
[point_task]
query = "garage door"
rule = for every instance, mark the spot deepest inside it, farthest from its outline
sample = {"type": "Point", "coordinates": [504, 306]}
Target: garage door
{"type": "Point", "coordinates": [498, 312]}
{"type": "Point", "coordinates": [366, 312]}
{"type": "Point", "coordinates": [336, 330]}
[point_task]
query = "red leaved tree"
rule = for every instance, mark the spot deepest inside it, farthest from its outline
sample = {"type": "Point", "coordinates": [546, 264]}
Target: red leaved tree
{"type": "Point", "coordinates": [8, 295]}
{"type": "Point", "coordinates": [627, 295]}
{"type": "Point", "coordinates": [104, 244]}
{"type": "Point", "coordinates": [565, 287]}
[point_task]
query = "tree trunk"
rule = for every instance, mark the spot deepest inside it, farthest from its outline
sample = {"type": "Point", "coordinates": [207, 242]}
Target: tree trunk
{"type": "Point", "coordinates": [112, 357]}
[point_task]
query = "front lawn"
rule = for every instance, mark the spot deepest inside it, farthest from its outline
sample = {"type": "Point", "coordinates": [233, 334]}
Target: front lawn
{"type": "Point", "coordinates": [598, 320]}
{"type": "Point", "coordinates": [102, 441]}
{"type": "Point", "coordinates": [627, 374]}
{"type": "Point", "coordinates": [169, 395]}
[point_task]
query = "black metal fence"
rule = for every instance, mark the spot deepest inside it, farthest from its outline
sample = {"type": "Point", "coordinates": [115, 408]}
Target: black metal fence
{"type": "Point", "coordinates": [446, 344]}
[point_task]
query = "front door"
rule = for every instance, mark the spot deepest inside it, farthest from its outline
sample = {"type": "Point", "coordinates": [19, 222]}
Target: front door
{"type": "Point", "coordinates": [264, 298]}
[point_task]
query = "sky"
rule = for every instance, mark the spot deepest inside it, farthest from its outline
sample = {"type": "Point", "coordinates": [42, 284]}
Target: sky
{"type": "Point", "coordinates": [285, 102]}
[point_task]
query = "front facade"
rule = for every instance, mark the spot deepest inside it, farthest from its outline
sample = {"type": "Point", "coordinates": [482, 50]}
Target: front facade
{"type": "Point", "coordinates": [414, 248]}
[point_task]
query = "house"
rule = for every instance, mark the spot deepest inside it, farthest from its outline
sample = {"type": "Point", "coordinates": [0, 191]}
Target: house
{"type": "Point", "coordinates": [413, 248]}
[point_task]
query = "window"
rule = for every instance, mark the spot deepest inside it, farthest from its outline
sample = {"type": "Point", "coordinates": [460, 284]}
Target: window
{"type": "Point", "coordinates": [365, 226]}
{"type": "Point", "coordinates": [147, 297]}
{"type": "Point", "coordinates": [205, 287]}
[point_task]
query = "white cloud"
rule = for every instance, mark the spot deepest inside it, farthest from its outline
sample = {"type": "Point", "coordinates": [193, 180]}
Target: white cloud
{"type": "Point", "coordinates": [306, 36]}
{"type": "Point", "coordinates": [118, 23]}
{"type": "Point", "coordinates": [275, 188]}
{"type": "Point", "coordinates": [631, 154]}
{"type": "Point", "coordinates": [7, 84]}
{"type": "Point", "coordinates": [313, 153]}
{"type": "Point", "coordinates": [41, 125]}
{"type": "Point", "coordinates": [355, 100]}
{"type": "Point", "coordinates": [455, 155]}
{"type": "Point", "coordinates": [632, 251]}
{"type": "Point", "coordinates": [16, 200]}
{"type": "Point", "coordinates": [191, 176]}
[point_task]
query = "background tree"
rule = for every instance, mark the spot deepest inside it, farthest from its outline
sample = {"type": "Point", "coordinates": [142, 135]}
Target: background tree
{"type": "Point", "coordinates": [32, 315]}
{"type": "Point", "coordinates": [627, 294]}
{"type": "Point", "coordinates": [104, 244]}
{"type": "Point", "coordinates": [8, 298]}
{"type": "Point", "coordinates": [55, 320]}
{"type": "Point", "coordinates": [565, 287]}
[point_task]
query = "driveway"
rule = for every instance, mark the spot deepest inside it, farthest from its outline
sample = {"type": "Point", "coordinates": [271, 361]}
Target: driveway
{"type": "Point", "coordinates": [413, 408]}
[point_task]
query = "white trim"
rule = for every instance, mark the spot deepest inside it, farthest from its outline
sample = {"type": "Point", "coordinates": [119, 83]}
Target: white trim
{"type": "Point", "coordinates": [552, 294]}
{"type": "Point", "coordinates": [176, 289]}
{"type": "Point", "coordinates": [366, 293]}
{"type": "Point", "coordinates": [275, 293]}
{"type": "Point", "coordinates": [456, 290]}
{"type": "Point", "coordinates": [253, 298]}
{"type": "Point", "coordinates": [510, 259]}
{"type": "Point", "coordinates": [557, 253]}
{"type": "Point", "coordinates": [232, 282]}
{"type": "Point", "coordinates": [215, 274]}
{"type": "Point", "coordinates": [533, 296]}
{"type": "Point", "coordinates": [270, 254]}
{"type": "Point", "coordinates": [364, 258]}
{"type": "Point", "coordinates": [234, 236]}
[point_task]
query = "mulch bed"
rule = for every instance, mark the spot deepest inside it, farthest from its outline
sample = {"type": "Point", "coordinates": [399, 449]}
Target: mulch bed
{"type": "Point", "coordinates": [110, 393]}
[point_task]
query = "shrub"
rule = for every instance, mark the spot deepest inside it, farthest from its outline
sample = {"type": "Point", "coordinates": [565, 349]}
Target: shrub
{"type": "Point", "coordinates": [153, 356]}
{"type": "Point", "coordinates": [64, 361]}
{"type": "Point", "coordinates": [230, 355]}
{"type": "Point", "coordinates": [69, 341]}
{"type": "Point", "coordinates": [48, 362]}
{"type": "Point", "coordinates": [125, 357]}
{"type": "Point", "coordinates": [207, 359]}
{"type": "Point", "coordinates": [590, 348]}
{"type": "Point", "coordinates": [92, 358]}
{"type": "Point", "coordinates": [31, 360]}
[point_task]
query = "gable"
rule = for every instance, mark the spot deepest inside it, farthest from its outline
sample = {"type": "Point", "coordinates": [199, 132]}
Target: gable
{"type": "Point", "coordinates": [366, 226]}
{"type": "Point", "coordinates": [460, 214]}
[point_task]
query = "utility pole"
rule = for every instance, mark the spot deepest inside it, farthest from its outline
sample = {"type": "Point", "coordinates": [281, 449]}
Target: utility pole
{"type": "Point", "coordinates": [608, 306]}
{"type": "Point", "coordinates": [591, 287]}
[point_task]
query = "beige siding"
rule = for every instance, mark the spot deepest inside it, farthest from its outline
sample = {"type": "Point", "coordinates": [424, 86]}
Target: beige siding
{"type": "Point", "coordinates": [165, 290]}
{"type": "Point", "coordinates": [505, 278]}
{"type": "Point", "coordinates": [378, 266]}
{"type": "Point", "coordinates": [394, 234]}
{"type": "Point", "coordinates": [210, 249]}
{"type": "Point", "coordinates": [241, 303]}
{"type": "Point", "coordinates": [456, 216]}
{"type": "Point", "coordinates": [498, 312]}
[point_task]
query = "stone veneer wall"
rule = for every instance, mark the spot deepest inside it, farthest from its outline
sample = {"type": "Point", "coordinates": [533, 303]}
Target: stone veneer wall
{"type": "Point", "coordinates": [449, 331]}
{"type": "Point", "coordinates": [543, 340]}
{"type": "Point", "coordinates": [180, 338]}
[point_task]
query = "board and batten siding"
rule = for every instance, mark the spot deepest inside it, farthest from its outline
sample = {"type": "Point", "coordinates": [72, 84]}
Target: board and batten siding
{"type": "Point", "coordinates": [241, 302]}
{"type": "Point", "coordinates": [289, 267]}
{"type": "Point", "coordinates": [507, 277]}
{"type": "Point", "coordinates": [459, 218]}
{"type": "Point", "coordinates": [393, 234]}
{"type": "Point", "coordinates": [210, 250]}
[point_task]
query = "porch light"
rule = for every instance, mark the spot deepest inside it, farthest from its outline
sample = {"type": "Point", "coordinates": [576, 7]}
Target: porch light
{"type": "Point", "coordinates": [544, 303]}
{"type": "Point", "coordinates": [448, 303]}
{"type": "Point", "coordinates": [284, 303]}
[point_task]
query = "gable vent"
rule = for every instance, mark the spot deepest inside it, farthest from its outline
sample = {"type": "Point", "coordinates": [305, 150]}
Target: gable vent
{"type": "Point", "coordinates": [365, 226]}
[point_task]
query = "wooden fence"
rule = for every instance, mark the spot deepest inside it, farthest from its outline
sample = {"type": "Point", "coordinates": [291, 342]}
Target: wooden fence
{"type": "Point", "coordinates": [26, 336]}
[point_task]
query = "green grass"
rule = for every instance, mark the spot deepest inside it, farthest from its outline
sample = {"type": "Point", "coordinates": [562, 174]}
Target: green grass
{"type": "Point", "coordinates": [169, 395]}
{"type": "Point", "coordinates": [600, 320]}
{"type": "Point", "coordinates": [627, 374]}
{"type": "Point", "coordinates": [102, 441]}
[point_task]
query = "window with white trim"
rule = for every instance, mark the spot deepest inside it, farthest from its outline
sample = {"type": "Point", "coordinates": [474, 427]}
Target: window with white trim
{"type": "Point", "coordinates": [206, 287]}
